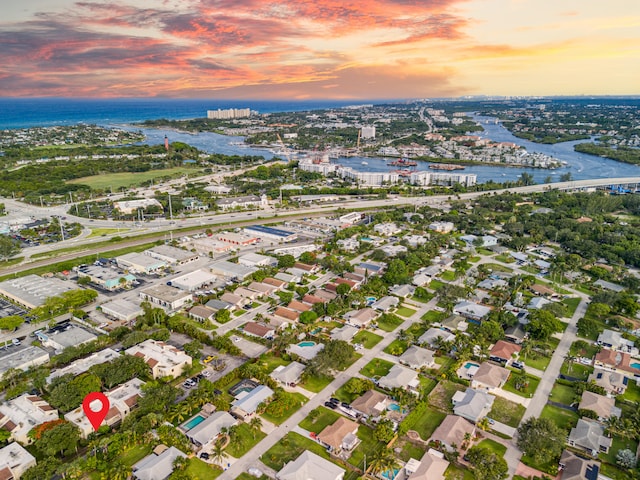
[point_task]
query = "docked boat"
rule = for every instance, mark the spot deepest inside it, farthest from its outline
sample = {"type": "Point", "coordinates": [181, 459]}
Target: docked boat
{"type": "Point", "coordinates": [403, 162]}
{"type": "Point", "coordinates": [445, 166]}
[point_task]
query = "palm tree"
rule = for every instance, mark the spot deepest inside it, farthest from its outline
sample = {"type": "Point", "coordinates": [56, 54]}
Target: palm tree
{"type": "Point", "coordinates": [570, 359]}
{"type": "Point", "coordinates": [385, 462]}
{"type": "Point", "coordinates": [256, 425]}
{"type": "Point", "coordinates": [217, 454]}
{"type": "Point", "coordinates": [484, 424]}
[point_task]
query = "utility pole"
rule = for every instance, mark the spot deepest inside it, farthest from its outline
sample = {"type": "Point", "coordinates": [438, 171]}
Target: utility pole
{"type": "Point", "coordinates": [77, 210]}
{"type": "Point", "coordinates": [88, 211]}
{"type": "Point", "coordinates": [170, 210]}
{"type": "Point", "coordinates": [61, 229]}
{"type": "Point", "coordinates": [41, 204]}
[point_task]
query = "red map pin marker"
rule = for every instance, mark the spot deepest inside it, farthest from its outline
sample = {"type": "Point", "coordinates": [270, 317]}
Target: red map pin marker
{"type": "Point", "coordinates": [91, 400]}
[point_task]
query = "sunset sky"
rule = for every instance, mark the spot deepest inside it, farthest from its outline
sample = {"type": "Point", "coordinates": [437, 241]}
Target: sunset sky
{"type": "Point", "coordinates": [313, 49]}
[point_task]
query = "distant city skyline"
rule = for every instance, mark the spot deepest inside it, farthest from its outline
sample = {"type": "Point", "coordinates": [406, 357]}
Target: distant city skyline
{"type": "Point", "coordinates": [333, 49]}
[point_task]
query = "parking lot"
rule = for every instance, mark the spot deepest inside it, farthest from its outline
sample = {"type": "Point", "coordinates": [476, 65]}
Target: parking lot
{"type": "Point", "coordinates": [7, 309]}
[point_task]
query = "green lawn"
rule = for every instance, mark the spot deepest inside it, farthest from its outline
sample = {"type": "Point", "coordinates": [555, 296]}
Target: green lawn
{"type": "Point", "coordinates": [618, 444]}
{"type": "Point", "coordinates": [493, 446]}
{"type": "Point", "coordinates": [389, 323]}
{"type": "Point", "coordinates": [323, 418]}
{"type": "Point", "coordinates": [376, 368]}
{"type": "Point", "coordinates": [550, 467]}
{"type": "Point", "coordinates": [289, 448]}
{"type": "Point", "coordinates": [580, 348]}
{"type": "Point", "coordinates": [632, 393]}
{"type": "Point", "coordinates": [426, 425]}
{"type": "Point", "coordinates": [562, 394]}
{"type": "Point", "coordinates": [270, 362]}
{"type": "Point", "coordinates": [316, 384]}
{"type": "Point", "coordinates": [566, 419]}
{"type": "Point", "coordinates": [505, 258]}
{"type": "Point", "coordinates": [405, 311]}
{"type": "Point", "coordinates": [367, 339]}
{"type": "Point", "coordinates": [369, 446]}
{"type": "Point", "coordinates": [409, 450]}
{"type": "Point", "coordinates": [101, 232]}
{"type": "Point", "coordinates": [537, 361]}
{"type": "Point", "coordinates": [127, 179]}
{"type": "Point", "coordinates": [436, 285]}
{"type": "Point", "coordinates": [344, 396]}
{"type": "Point", "coordinates": [613, 472]}
{"type": "Point", "coordinates": [583, 289]}
{"type": "Point", "coordinates": [397, 347]}
{"type": "Point", "coordinates": [496, 267]}
{"type": "Point", "coordinates": [199, 470]}
{"type": "Point", "coordinates": [455, 472]}
{"type": "Point", "coordinates": [448, 275]}
{"type": "Point", "coordinates": [572, 304]}
{"type": "Point", "coordinates": [474, 259]}
{"type": "Point", "coordinates": [507, 412]}
{"type": "Point", "coordinates": [135, 454]}
{"type": "Point", "coordinates": [246, 476]}
{"type": "Point", "coordinates": [424, 299]}
{"type": "Point", "coordinates": [433, 316]}
{"type": "Point", "coordinates": [577, 370]}
{"type": "Point", "coordinates": [417, 329]}
{"type": "Point", "coordinates": [278, 419]}
{"type": "Point", "coordinates": [528, 391]}
{"type": "Point", "coordinates": [248, 439]}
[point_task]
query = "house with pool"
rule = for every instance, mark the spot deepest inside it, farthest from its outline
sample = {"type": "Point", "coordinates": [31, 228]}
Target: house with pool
{"type": "Point", "coordinates": [306, 350]}
{"type": "Point", "coordinates": [246, 403]}
{"type": "Point", "coordinates": [400, 377]}
{"type": "Point", "coordinates": [204, 428]}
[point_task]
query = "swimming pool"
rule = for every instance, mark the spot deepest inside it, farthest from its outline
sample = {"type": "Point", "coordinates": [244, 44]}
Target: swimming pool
{"type": "Point", "coordinates": [471, 364]}
{"type": "Point", "coordinates": [635, 365]}
{"type": "Point", "coordinates": [390, 475]}
{"type": "Point", "coordinates": [395, 407]}
{"type": "Point", "coordinates": [197, 420]}
{"type": "Point", "coordinates": [307, 344]}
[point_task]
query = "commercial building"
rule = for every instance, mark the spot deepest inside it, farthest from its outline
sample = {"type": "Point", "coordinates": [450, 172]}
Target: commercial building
{"type": "Point", "coordinates": [32, 291]}
{"type": "Point", "coordinates": [368, 132]}
{"type": "Point", "coordinates": [122, 400]}
{"type": "Point", "coordinates": [14, 461]}
{"type": "Point", "coordinates": [121, 309]}
{"type": "Point", "coordinates": [106, 278]}
{"type": "Point", "coordinates": [22, 359]}
{"type": "Point", "coordinates": [193, 281]}
{"type": "Point", "coordinates": [231, 270]}
{"type": "Point", "coordinates": [271, 233]}
{"type": "Point", "coordinates": [140, 263]}
{"type": "Point", "coordinates": [171, 255]}
{"type": "Point", "coordinates": [248, 201]}
{"type": "Point", "coordinates": [228, 114]}
{"type": "Point", "coordinates": [19, 415]}
{"type": "Point", "coordinates": [127, 207]}
{"type": "Point", "coordinates": [61, 339]}
{"type": "Point", "coordinates": [257, 260]}
{"type": "Point", "coordinates": [167, 297]}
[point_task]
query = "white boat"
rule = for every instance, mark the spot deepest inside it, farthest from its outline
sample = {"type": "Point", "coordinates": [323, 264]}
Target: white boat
{"type": "Point", "coordinates": [364, 163]}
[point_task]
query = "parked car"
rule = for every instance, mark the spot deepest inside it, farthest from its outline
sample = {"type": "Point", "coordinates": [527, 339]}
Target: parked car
{"type": "Point", "coordinates": [330, 405]}
{"type": "Point", "coordinates": [209, 359]}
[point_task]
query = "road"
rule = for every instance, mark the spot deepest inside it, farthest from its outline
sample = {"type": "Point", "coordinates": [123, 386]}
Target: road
{"type": "Point", "coordinates": [249, 459]}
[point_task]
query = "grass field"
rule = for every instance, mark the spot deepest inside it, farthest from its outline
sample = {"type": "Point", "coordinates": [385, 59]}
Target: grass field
{"type": "Point", "coordinates": [493, 446]}
{"type": "Point", "coordinates": [537, 360]}
{"type": "Point", "coordinates": [323, 418]}
{"type": "Point", "coordinates": [618, 444]}
{"type": "Point", "coordinates": [507, 412]}
{"type": "Point", "coordinates": [409, 450]}
{"type": "Point", "coordinates": [528, 391]}
{"type": "Point", "coordinates": [448, 276]}
{"type": "Point", "coordinates": [101, 232]}
{"type": "Point", "coordinates": [367, 339]}
{"type": "Point", "coordinates": [369, 446]}
{"type": "Point", "coordinates": [271, 362]}
{"type": "Point", "coordinates": [632, 393]}
{"type": "Point", "coordinates": [315, 384]}
{"type": "Point", "coordinates": [397, 347]}
{"type": "Point", "coordinates": [301, 399]}
{"type": "Point", "coordinates": [389, 323]}
{"type": "Point", "coordinates": [563, 394]}
{"type": "Point", "coordinates": [126, 179]}
{"type": "Point", "coordinates": [405, 311]}
{"type": "Point", "coordinates": [376, 368]}
{"type": "Point", "coordinates": [454, 472]}
{"type": "Point", "coordinates": [565, 419]}
{"type": "Point", "coordinates": [426, 425]}
{"type": "Point", "coordinates": [433, 316]}
{"type": "Point", "coordinates": [289, 448]}
{"type": "Point", "coordinates": [495, 267]}
{"type": "Point", "coordinates": [248, 439]}
{"type": "Point", "coordinates": [572, 304]}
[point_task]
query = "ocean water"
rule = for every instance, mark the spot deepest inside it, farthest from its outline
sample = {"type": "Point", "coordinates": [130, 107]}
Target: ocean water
{"type": "Point", "coordinates": [39, 112]}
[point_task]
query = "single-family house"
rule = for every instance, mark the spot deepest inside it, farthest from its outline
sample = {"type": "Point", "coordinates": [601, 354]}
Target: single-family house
{"type": "Point", "coordinates": [344, 333]}
{"type": "Point", "coordinates": [371, 403]}
{"type": "Point", "coordinates": [385, 304]}
{"type": "Point", "coordinates": [472, 311]}
{"type": "Point", "coordinates": [340, 435]}
{"type": "Point", "coordinates": [452, 431]}
{"type": "Point", "coordinates": [616, 360]}
{"type": "Point", "coordinates": [612, 287]}
{"type": "Point", "coordinates": [286, 313]}
{"type": "Point", "coordinates": [21, 414]}
{"type": "Point", "coordinates": [202, 313]}
{"type": "Point", "coordinates": [310, 466]}
{"type": "Point", "coordinates": [361, 318]}
{"type": "Point", "coordinates": [259, 330]}
{"type": "Point", "coordinates": [604, 407]}
{"type": "Point", "coordinates": [435, 336]}
{"type": "Point", "coordinates": [504, 352]}
{"type": "Point", "coordinates": [614, 383]}
{"type": "Point", "coordinates": [288, 375]}
{"type": "Point", "coordinates": [490, 377]}
{"type": "Point", "coordinates": [454, 323]}
{"type": "Point", "coordinates": [573, 467]}
{"type": "Point", "coordinates": [472, 404]}
{"type": "Point", "coordinates": [416, 357]}
{"type": "Point", "coordinates": [299, 306]}
{"type": "Point", "coordinates": [515, 334]}
{"type": "Point", "coordinates": [431, 466]}
{"type": "Point", "coordinates": [246, 403]}
{"type": "Point", "coordinates": [590, 437]}
{"type": "Point", "coordinates": [234, 300]}
{"type": "Point", "coordinates": [614, 341]}
{"type": "Point", "coordinates": [210, 428]}
{"type": "Point", "coordinates": [399, 377]}
{"type": "Point", "coordinates": [402, 291]}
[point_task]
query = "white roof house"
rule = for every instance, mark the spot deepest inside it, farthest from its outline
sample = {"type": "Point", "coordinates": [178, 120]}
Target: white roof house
{"type": "Point", "coordinates": [417, 358]}
{"type": "Point", "coordinates": [23, 413]}
{"type": "Point", "coordinates": [231, 270]}
{"type": "Point", "coordinates": [14, 460]}
{"type": "Point", "coordinates": [163, 359]}
{"type": "Point", "coordinates": [386, 303]}
{"type": "Point", "coordinates": [289, 374]}
{"type": "Point", "coordinates": [210, 428]}
{"type": "Point", "coordinates": [122, 400]}
{"type": "Point", "coordinates": [246, 403]}
{"type": "Point", "coordinates": [431, 466]}
{"type": "Point", "coordinates": [310, 466]}
{"type": "Point", "coordinates": [615, 341]}
{"type": "Point", "coordinates": [472, 404]}
{"type": "Point", "coordinates": [430, 337]}
{"type": "Point", "coordinates": [157, 466]}
{"type": "Point", "coordinates": [257, 260]}
{"type": "Point", "coordinates": [590, 436]}
{"type": "Point", "coordinates": [471, 310]}
{"type": "Point", "coordinates": [399, 377]}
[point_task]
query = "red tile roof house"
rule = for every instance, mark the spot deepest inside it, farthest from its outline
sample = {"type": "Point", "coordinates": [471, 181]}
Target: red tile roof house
{"type": "Point", "coordinates": [615, 361]}
{"type": "Point", "coordinates": [504, 352]}
{"type": "Point", "coordinates": [286, 313]}
{"type": "Point", "coordinates": [299, 306]}
{"type": "Point", "coordinates": [306, 268]}
{"type": "Point", "coordinates": [258, 330]}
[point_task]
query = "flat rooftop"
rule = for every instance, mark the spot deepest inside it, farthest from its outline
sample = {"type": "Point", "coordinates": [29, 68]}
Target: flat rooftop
{"type": "Point", "coordinates": [33, 290]}
{"type": "Point", "coordinates": [165, 293]}
{"type": "Point", "coordinates": [24, 356]}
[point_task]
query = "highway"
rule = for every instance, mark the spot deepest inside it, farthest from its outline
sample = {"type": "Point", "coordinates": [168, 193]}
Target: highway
{"type": "Point", "coordinates": [163, 227]}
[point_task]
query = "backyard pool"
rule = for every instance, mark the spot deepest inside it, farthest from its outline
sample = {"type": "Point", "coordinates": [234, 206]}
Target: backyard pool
{"type": "Point", "coordinates": [197, 420]}
{"type": "Point", "coordinates": [307, 344]}
{"type": "Point", "coordinates": [471, 364]}
{"type": "Point", "coordinates": [635, 365]}
{"type": "Point", "coordinates": [390, 475]}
